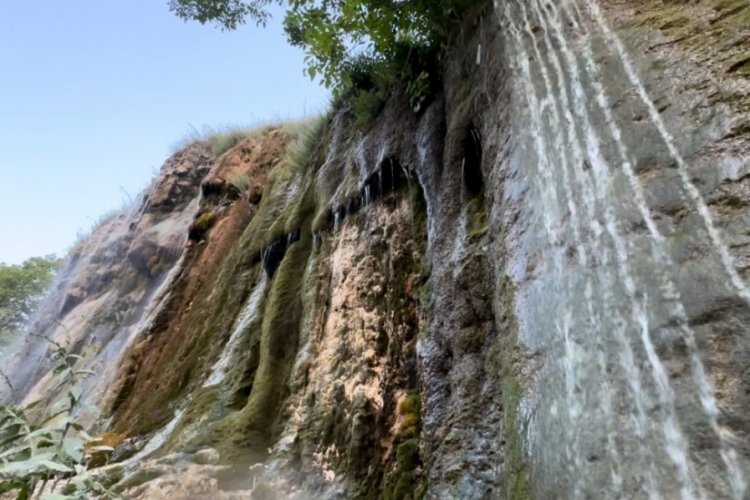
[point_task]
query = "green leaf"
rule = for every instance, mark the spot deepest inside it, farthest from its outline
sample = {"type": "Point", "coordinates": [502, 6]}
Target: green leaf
{"type": "Point", "coordinates": [32, 405]}
{"type": "Point", "coordinates": [43, 432]}
{"type": "Point", "coordinates": [56, 466]}
{"type": "Point", "coordinates": [73, 447]}
{"type": "Point", "coordinates": [25, 467]}
{"type": "Point", "coordinates": [15, 450]}
{"type": "Point", "coordinates": [75, 393]}
{"type": "Point", "coordinates": [64, 374]}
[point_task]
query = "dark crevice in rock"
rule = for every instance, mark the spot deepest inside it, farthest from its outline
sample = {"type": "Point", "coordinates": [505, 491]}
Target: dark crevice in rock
{"type": "Point", "coordinates": [390, 177]}
{"type": "Point", "coordinates": [472, 162]}
{"type": "Point", "coordinates": [274, 253]}
{"type": "Point", "coordinates": [218, 189]}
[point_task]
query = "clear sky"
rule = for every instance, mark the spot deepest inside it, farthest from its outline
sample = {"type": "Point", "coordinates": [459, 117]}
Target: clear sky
{"type": "Point", "coordinates": [93, 95]}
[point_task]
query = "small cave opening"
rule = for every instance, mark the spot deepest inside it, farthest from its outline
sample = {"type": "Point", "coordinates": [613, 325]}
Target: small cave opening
{"type": "Point", "coordinates": [392, 175]}
{"type": "Point", "coordinates": [472, 162]}
{"type": "Point", "coordinates": [389, 176]}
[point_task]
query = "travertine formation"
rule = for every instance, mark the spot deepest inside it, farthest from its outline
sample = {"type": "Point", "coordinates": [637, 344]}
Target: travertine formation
{"type": "Point", "coordinates": [535, 287]}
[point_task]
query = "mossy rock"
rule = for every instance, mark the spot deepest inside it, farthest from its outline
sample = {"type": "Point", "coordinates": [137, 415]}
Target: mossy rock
{"type": "Point", "coordinates": [740, 64]}
{"type": "Point", "coordinates": [403, 482]}
{"type": "Point", "coordinates": [200, 226]}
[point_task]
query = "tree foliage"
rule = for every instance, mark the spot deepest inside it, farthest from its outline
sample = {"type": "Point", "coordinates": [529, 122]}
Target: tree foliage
{"type": "Point", "coordinates": [20, 289]}
{"type": "Point", "coordinates": [343, 40]}
{"type": "Point", "coordinates": [229, 14]}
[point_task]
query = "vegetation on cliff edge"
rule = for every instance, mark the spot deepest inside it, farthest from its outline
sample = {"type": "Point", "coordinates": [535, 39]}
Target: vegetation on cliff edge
{"type": "Point", "coordinates": [358, 48]}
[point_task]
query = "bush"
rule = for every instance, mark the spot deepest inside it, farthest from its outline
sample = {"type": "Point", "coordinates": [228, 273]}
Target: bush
{"type": "Point", "coordinates": [380, 34]}
{"type": "Point", "coordinates": [38, 446]}
{"type": "Point", "coordinates": [367, 105]}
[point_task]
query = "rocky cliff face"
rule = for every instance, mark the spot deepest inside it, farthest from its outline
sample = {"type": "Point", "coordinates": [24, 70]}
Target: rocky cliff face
{"type": "Point", "coordinates": [536, 287]}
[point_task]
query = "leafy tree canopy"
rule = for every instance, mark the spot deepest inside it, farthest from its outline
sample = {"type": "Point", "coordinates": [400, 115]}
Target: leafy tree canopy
{"type": "Point", "coordinates": [20, 288]}
{"type": "Point", "coordinates": [229, 14]}
{"type": "Point", "coordinates": [343, 37]}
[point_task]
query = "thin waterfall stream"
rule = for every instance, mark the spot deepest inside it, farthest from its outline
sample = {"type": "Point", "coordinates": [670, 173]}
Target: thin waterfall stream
{"type": "Point", "coordinates": [532, 285]}
{"type": "Point", "coordinates": [608, 303]}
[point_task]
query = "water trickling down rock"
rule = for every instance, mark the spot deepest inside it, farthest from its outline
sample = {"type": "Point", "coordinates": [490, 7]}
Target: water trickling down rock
{"type": "Point", "coordinates": [536, 287]}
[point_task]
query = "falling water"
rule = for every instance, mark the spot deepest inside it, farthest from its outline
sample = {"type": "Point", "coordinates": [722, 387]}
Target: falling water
{"type": "Point", "coordinates": [157, 440]}
{"type": "Point", "coordinates": [336, 219]}
{"type": "Point", "coordinates": [608, 417]}
{"type": "Point", "coordinates": [669, 141]}
{"type": "Point", "coordinates": [246, 317]}
{"type": "Point", "coordinates": [676, 446]}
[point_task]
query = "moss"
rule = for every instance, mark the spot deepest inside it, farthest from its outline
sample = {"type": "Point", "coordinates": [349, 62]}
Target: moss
{"type": "Point", "coordinates": [280, 213]}
{"type": "Point", "coordinates": [404, 480]}
{"type": "Point", "coordinates": [518, 484]}
{"type": "Point", "coordinates": [199, 407]}
{"type": "Point", "coordinates": [730, 8]}
{"type": "Point", "coordinates": [478, 218]}
{"type": "Point", "coordinates": [699, 32]}
{"type": "Point", "coordinates": [516, 479]}
{"type": "Point", "coordinates": [193, 350]}
{"type": "Point", "coordinates": [740, 64]}
{"type": "Point", "coordinates": [201, 225]}
{"type": "Point", "coordinates": [400, 484]}
{"type": "Point", "coordinates": [409, 405]}
{"type": "Point", "coordinates": [667, 18]}
{"type": "Point", "coordinates": [254, 427]}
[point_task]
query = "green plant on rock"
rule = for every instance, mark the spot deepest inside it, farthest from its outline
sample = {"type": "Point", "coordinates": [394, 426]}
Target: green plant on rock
{"type": "Point", "coordinates": [404, 481]}
{"type": "Point", "coordinates": [367, 105]}
{"type": "Point", "coordinates": [201, 225]}
{"type": "Point", "coordinates": [38, 447]}
{"type": "Point", "coordinates": [399, 41]}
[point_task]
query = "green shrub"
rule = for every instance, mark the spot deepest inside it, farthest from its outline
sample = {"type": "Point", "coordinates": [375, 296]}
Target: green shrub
{"type": "Point", "coordinates": [38, 446]}
{"type": "Point", "coordinates": [366, 105]}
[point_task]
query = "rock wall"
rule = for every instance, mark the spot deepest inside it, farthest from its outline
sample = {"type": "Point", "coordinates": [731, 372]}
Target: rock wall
{"type": "Point", "coordinates": [535, 287]}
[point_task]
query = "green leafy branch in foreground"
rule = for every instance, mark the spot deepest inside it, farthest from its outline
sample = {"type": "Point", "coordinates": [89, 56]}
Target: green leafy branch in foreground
{"type": "Point", "coordinates": [38, 447]}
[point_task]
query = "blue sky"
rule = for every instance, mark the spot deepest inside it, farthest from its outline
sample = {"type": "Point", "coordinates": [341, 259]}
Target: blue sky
{"type": "Point", "coordinates": [93, 95]}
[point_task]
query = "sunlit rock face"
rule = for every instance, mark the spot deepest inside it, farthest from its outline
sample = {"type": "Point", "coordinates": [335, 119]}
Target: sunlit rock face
{"type": "Point", "coordinates": [535, 287]}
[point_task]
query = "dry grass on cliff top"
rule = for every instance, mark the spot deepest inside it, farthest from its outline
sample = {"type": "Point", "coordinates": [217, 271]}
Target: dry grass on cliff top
{"type": "Point", "coordinates": [222, 138]}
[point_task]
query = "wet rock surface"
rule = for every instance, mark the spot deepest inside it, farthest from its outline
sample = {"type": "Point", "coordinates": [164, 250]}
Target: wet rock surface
{"type": "Point", "coordinates": [529, 289]}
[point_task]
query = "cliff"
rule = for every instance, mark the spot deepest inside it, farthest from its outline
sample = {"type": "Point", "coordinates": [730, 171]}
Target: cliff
{"type": "Point", "coordinates": [533, 287]}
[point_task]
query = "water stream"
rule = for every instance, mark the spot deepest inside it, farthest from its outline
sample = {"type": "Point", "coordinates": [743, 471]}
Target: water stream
{"type": "Point", "coordinates": [609, 412]}
{"type": "Point", "coordinates": [248, 314]}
